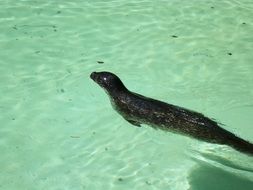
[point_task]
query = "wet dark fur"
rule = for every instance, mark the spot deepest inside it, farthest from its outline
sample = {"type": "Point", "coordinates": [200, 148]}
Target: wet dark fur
{"type": "Point", "coordinates": [138, 109]}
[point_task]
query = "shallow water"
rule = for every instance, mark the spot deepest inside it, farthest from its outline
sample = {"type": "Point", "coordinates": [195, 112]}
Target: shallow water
{"type": "Point", "coordinates": [58, 130]}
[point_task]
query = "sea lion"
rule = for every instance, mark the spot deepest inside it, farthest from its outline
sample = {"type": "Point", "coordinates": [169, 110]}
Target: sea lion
{"type": "Point", "coordinates": [138, 109]}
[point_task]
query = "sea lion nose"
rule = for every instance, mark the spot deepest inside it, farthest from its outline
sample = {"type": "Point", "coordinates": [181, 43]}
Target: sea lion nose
{"type": "Point", "coordinates": [93, 75]}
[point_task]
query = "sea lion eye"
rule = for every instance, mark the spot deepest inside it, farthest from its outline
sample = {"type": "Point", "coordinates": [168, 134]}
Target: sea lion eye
{"type": "Point", "coordinates": [104, 78]}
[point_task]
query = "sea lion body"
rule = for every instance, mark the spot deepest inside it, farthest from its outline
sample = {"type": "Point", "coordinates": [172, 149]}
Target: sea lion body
{"type": "Point", "coordinates": [138, 109]}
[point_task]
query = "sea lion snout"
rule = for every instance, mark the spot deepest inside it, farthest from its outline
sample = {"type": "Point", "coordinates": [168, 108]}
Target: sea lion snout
{"type": "Point", "coordinates": [92, 75]}
{"type": "Point", "coordinates": [98, 78]}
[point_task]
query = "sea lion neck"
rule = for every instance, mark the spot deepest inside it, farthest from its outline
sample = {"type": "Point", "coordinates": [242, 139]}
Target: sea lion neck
{"type": "Point", "coordinates": [116, 90]}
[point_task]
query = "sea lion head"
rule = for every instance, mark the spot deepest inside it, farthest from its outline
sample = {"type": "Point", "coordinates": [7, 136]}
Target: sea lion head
{"type": "Point", "coordinates": [108, 81]}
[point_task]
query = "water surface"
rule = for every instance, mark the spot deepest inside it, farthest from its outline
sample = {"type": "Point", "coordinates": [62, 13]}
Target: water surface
{"type": "Point", "coordinates": [58, 130]}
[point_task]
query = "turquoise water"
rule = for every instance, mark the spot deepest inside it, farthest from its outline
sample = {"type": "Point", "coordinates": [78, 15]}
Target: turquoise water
{"type": "Point", "coordinates": [58, 130]}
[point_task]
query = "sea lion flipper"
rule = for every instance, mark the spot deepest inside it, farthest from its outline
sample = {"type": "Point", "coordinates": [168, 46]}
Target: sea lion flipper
{"type": "Point", "coordinates": [136, 123]}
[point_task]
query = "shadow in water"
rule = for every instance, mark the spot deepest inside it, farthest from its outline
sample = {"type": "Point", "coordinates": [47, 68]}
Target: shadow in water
{"type": "Point", "coordinates": [210, 177]}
